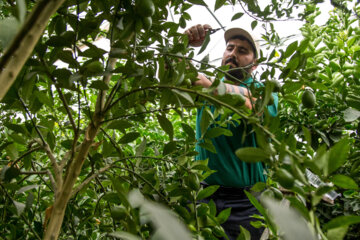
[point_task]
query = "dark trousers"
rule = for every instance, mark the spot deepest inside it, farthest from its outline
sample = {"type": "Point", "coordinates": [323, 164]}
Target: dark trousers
{"type": "Point", "coordinates": [241, 210]}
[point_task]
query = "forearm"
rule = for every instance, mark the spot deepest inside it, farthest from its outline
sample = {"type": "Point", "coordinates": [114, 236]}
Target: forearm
{"type": "Point", "coordinates": [230, 88]}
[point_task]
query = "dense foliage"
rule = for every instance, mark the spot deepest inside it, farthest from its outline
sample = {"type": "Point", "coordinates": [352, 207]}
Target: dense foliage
{"type": "Point", "coordinates": [86, 132]}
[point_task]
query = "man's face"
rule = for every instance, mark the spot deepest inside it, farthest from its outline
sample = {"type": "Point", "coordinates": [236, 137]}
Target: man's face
{"type": "Point", "coordinates": [239, 53]}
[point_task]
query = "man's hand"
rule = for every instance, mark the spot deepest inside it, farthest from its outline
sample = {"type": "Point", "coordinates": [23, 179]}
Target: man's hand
{"type": "Point", "coordinates": [196, 34]}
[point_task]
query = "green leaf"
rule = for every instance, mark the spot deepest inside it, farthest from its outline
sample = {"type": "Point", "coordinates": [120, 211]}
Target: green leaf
{"type": "Point", "coordinates": [166, 224]}
{"type": "Point", "coordinates": [291, 49]}
{"type": "Point", "coordinates": [237, 16]}
{"type": "Point", "coordinates": [342, 221]}
{"type": "Point", "coordinates": [205, 120]}
{"type": "Point", "coordinates": [123, 235]}
{"type": "Point", "coordinates": [251, 154]}
{"type": "Point", "coordinates": [337, 233]}
{"type": "Point", "coordinates": [21, 6]}
{"type": "Point", "coordinates": [351, 114]}
{"type": "Point", "coordinates": [8, 173]}
{"type": "Point", "coordinates": [99, 84]}
{"type": "Point", "coordinates": [290, 87]}
{"type": "Point", "coordinates": [344, 182]}
{"type": "Point", "coordinates": [254, 24]}
{"type": "Point", "coordinates": [244, 234]}
{"type": "Point", "coordinates": [20, 207]}
{"type": "Point", "coordinates": [27, 188]}
{"type": "Point", "coordinates": [188, 130]}
{"type": "Point", "coordinates": [223, 215]}
{"type": "Point", "coordinates": [184, 95]}
{"type": "Point", "coordinates": [291, 224]}
{"type": "Point", "coordinates": [338, 155]}
{"type": "Point", "coordinates": [166, 125]}
{"type": "Point", "coordinates": [208, 146]}
{"type": "Point", "coordinates": [197, 2]}
{"type": "Point", "coordinates": [315, 85]}
{"type": "Point", "coordinates": [169, 148]}
{"type": "Point", "coordinates": [219, 4]}
{"type": "Point", "coordinates": [205, 43]}
{"type": "Point", "coordinates": [9, 28]}
{"type": "Point", "coordinates": [217, 131]}
{"type": "Point", "coordinates": [258, 187]}
{"type": "Point", "coordinates": [18, 139]}
{"type": "Point", "coordinates": [141, 148]}
{"type": "Point", "coordinates": [207, 192]}
{"type": "Point", "coordinates": [129, 137]}
{"type": "Point", "coordinates": [119, 124]}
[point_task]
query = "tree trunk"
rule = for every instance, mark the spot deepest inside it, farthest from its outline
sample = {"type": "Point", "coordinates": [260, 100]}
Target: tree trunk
{"type": "Point", "coordinates": [63, 193]}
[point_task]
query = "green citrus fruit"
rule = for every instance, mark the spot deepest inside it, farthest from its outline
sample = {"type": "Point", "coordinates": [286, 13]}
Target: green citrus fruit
{"type": "Point", "coordinates": [308, 99]}
{"type": "Point", "coordinates": [285, 178]}
{"type": "Point", "coordinates": [147, 22]}
{"type": "Point", "coordinates": [145, 8]}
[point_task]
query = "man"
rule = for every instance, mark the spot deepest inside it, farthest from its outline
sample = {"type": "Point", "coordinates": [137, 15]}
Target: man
{"type": "Point", "coordinates": [233, 175]}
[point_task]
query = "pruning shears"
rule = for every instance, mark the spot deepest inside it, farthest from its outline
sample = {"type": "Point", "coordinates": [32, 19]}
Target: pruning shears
{"type": "Point", "coordinates": [211, 31]}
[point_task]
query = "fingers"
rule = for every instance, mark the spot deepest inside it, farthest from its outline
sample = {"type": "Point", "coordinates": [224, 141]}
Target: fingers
{"type": "Point", "coordinates": [197, 33]}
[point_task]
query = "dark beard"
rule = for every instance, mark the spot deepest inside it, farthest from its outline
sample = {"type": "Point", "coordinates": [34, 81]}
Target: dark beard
{"type": "Point", "coordinates": [235, 74]}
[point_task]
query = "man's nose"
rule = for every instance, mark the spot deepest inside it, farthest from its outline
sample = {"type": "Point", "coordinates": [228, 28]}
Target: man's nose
{"type": "Point", "coordinates": [233, 53]}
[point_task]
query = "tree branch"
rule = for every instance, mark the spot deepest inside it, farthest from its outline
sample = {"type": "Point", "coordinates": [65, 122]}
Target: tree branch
{"type": "Point", "coordinates": [56, 168]}
{"type": "Point", "coordinates": [22, 46]}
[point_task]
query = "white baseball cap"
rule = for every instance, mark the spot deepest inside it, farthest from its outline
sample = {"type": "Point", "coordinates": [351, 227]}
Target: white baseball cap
{"type": "Point", "coordinates": [232, 32]}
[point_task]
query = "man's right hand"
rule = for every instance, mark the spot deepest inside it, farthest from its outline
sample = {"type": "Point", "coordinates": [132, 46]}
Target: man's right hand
{"type": "Point", "coordinates": [196, 34]}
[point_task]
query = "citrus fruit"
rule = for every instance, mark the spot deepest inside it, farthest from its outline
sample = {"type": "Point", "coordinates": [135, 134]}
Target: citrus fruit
{"type": "Point", "coordinates": [308, 99]}
{"type": "Point", "coordinates": [147, 22]}
{"type": "Point", "coordinates": [145, 8]}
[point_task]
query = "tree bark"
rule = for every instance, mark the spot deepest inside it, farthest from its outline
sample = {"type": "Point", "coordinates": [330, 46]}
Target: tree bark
{"type": "Point", "coordinates": [24, 43]}
{"type": "Point", "coordinates": [64, 192]}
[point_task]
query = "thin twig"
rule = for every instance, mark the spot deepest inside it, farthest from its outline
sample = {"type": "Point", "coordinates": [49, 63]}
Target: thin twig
{"type": "Point", "coordinates": [32, 120]}
{"type": "Point", "coordinates": [33, 172]}
{"type": "Point", "coordinates": [267, 20]}
{"type": "Point", "coordinates": [116, 147]}
{"type": "Point", "coordinates": [25, 154]}
{"type": "Point", "coordinates": [146, 181]}
{"type": "Point", "coordinates": [53, 187]}
{"type": "Point", "coordinates": [146, 112]}
{"type": "Point", "coordinates": [104, 169]}
{"type": "Point", "coordinates": [217, 20]}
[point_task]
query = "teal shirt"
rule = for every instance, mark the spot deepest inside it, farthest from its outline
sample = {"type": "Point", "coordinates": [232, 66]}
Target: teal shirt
{"type": "Point", "coordinates": [230, 171]}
